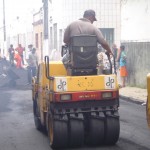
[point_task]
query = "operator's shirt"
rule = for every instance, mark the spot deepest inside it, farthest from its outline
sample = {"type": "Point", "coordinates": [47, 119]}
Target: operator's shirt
{"type": "Point", "coordinates": [82, 26]}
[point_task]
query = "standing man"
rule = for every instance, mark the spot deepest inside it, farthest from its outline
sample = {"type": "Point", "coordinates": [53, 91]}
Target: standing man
{"type": "Point", "coordinates": [32, 65]}
{"type": "Point", "coordinates": [11, 52]}
{"type": "Point", "coordinates": [115, 50]}
{"type": "Point", "coordinates": [85, 26]}
{"type": "Point", "coordinates": [28, 52]}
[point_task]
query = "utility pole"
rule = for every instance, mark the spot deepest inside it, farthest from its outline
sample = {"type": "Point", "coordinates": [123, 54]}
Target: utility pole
{"type": "Point", "coordinates": [4, 29]}
{"type": "Point", "coordinates": [4, 25]}
{"type": "Point", "coordinates": [18, 28]}
{"type": "Point", "coordinates": [45, 42]}
{"type": "Point", "coordinates": [45, 6]}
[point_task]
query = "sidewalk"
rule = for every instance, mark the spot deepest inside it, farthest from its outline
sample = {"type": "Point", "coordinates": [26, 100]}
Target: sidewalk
{"type": "Point", "coordinates": [134, 94]}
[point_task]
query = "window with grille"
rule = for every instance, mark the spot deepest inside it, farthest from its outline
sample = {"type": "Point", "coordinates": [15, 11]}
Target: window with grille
{"type": "Point", "coordinates": [36, 40]}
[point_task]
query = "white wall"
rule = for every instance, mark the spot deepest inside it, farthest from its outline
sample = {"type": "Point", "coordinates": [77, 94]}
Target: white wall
{"type": "Point", "coordinates": [107, 13]}
{"type": "Point", "coordinates": [135, 23]}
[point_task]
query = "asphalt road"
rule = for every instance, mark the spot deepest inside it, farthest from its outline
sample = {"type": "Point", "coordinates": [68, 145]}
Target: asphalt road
{"type": "Point", "coordinates": [17, 130]}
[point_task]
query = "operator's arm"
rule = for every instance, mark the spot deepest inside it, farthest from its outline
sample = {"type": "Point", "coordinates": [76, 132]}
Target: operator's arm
{"type": "Point", "coordinates": [102, 41]}
{"type": "Point", "coordinates": [106, 46]}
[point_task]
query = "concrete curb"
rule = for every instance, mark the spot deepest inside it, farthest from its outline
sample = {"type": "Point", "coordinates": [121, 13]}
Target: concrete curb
{"type": "Point", "coordinates": [132, 100]}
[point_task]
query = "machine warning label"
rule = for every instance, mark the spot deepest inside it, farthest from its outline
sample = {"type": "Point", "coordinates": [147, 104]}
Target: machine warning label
{"type": "Point", "coordinates": [61, 84]}
{"type": "Point", "coordinates": [110, 82]}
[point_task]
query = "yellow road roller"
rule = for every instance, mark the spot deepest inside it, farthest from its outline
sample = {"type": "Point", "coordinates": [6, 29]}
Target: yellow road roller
{"type": "Point", "coordinates": [75, 105]}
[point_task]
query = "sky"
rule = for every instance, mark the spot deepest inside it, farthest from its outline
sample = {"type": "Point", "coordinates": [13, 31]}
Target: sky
{"type": "Point", "coordinates": [18, 8]}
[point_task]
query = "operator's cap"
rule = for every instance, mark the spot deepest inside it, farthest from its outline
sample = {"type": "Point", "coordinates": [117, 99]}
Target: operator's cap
{"type": "Point", "coordinates": [90, 12]}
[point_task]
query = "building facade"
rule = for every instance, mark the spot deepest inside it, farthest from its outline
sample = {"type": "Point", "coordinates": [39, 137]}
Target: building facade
{"type": "Point", "coordinates": [63, 12]}
{"type": "Point", "coordinates": [60, 14]}
{"type": "Point", "coordinates": [135, 20]}
{"type": "Point", "coordinates": [38, 33]}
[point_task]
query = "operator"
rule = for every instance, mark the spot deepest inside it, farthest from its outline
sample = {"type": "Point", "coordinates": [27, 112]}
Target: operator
{"type": "Point", "coordinates": [84, 26]}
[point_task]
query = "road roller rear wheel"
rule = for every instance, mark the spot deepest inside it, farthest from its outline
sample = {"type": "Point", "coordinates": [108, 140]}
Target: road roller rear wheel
{"type": "Point", "coordinates": [95, 135]}
{"type": "Point", "coordinates": [76, 132]}
{"type": "Point", "coordinates": [112, 130]}
{"type": "Point", "coordinates": [148, 112]}
{"type": "Point", "coordinates": [58, 133]}
{"type": "Point", "coordinates": [37, 120]}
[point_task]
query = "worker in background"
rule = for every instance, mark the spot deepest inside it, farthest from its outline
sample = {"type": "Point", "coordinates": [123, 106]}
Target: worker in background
{"type": "Point", "coordinates": [29, 50]}
{"type": "Point", "coordinates": [32, 65]}
{"type": "Point", "coordinates": [20, 50]}
{"type": "Point", "coordinates": [11, 52]}
{"type": "Point", "coordinates": [115, 52]}
{"type": "Point", "coordinates": [18, 59]}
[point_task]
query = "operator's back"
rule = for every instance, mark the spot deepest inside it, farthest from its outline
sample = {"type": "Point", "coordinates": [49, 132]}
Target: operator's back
{"type": "Point", "coordinates": [81, 26]}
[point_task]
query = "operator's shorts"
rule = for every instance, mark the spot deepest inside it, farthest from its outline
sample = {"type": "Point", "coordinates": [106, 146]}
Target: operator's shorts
{"type": "Point", "coordinates": [123, 71]}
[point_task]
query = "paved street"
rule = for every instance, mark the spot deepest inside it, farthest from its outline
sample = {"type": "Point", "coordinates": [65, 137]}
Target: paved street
{"type": "Point", "coordinates": [18, 132]}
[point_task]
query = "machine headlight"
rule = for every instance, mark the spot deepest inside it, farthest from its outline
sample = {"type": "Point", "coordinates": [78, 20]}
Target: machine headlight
{"type": "Point", "coordinates": [107, 95]}
{"type": "Point", "coordinates": [65, 97]}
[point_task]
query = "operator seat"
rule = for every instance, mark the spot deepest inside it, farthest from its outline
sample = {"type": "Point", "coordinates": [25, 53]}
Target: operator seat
{"type": "Point", "coordinates": [83, 55]}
